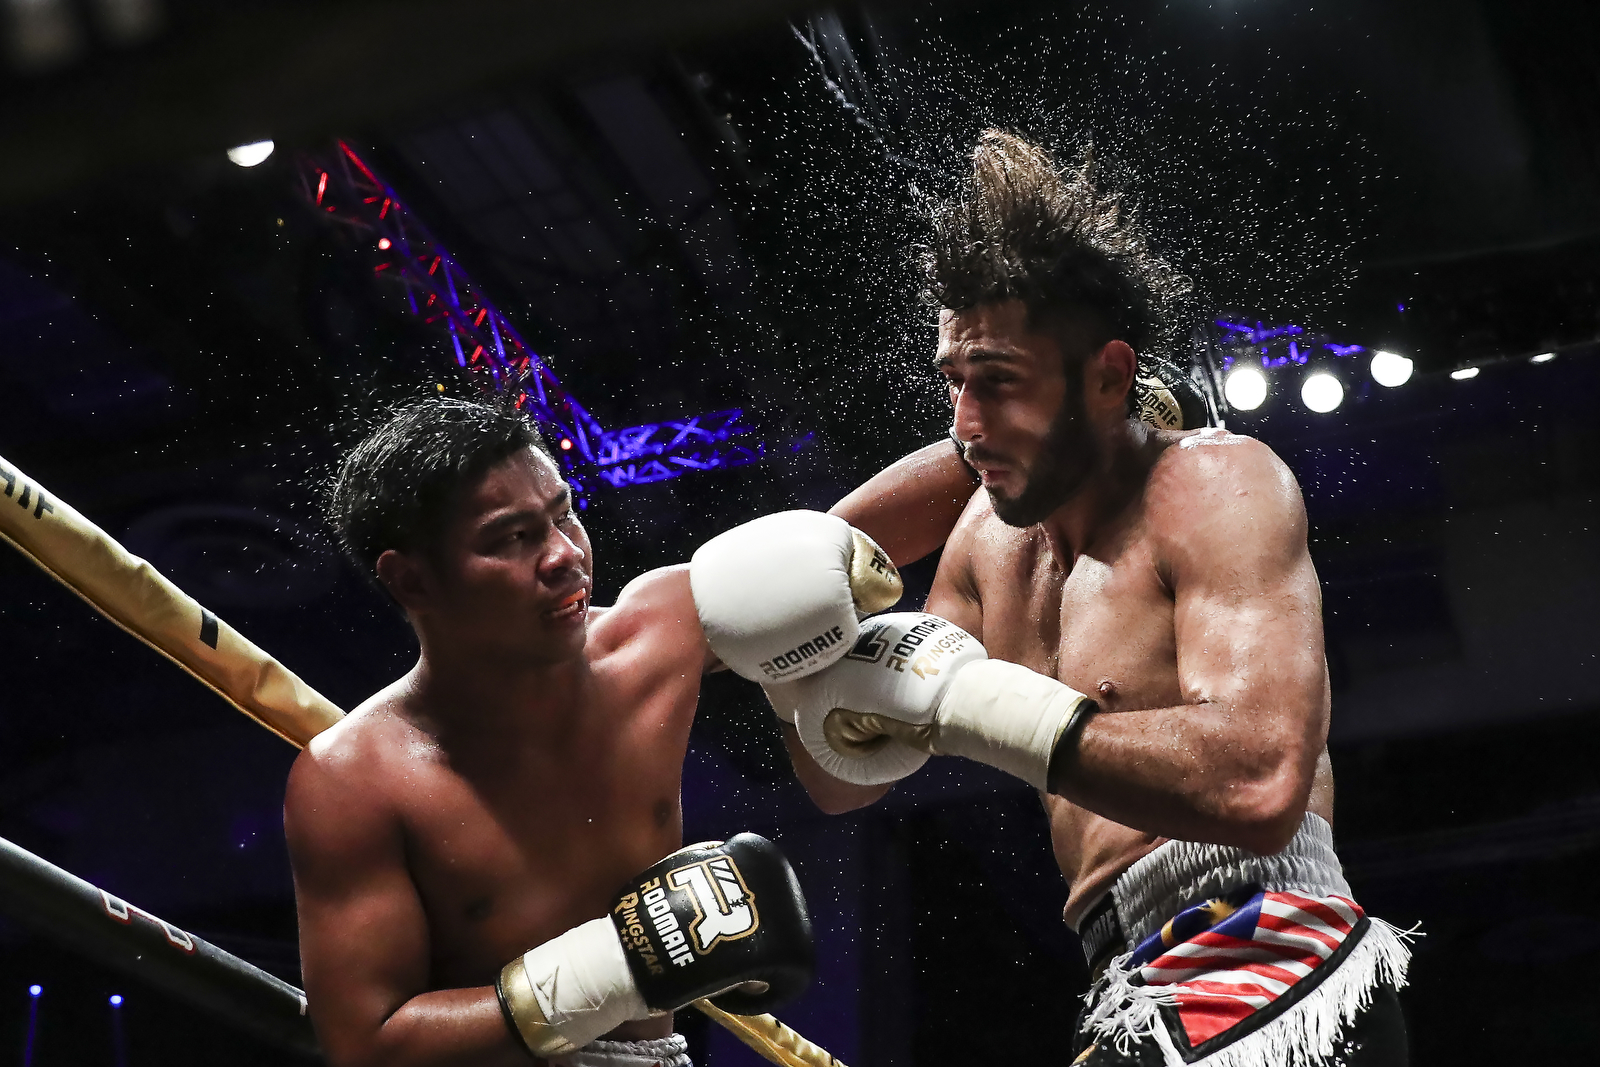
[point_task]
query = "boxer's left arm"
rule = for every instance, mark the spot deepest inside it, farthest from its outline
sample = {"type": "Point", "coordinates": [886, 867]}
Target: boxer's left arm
{"type": "Point", "coordinates": [1234, 764]}
{"type": "Point", "coordinates": [659, 607]}
{"type": "Point", "coordinates": [364, 945]}
{"type": "Point", "coordinates": [911, 506]}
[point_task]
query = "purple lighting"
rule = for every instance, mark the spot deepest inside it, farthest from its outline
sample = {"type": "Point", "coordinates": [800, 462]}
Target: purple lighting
{"type": "Point", "coordinates": [491, 351]}
{"type": "Point", "coordinates": [35, 990]}
{"type": "Point", "coordinates": [1244, 334]}
{"type": "Point", "coordinates": [116, 1000]}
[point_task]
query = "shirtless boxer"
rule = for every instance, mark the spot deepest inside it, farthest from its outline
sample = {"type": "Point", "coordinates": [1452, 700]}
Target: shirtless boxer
{"type": "Point", "coordinates": [1151, 651]}
{"type": "Point", "coordinates": [463, 842]}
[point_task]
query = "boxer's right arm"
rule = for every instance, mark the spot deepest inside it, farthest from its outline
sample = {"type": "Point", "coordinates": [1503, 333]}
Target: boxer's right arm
{"type": "Point", "coordinates": [364, 942]}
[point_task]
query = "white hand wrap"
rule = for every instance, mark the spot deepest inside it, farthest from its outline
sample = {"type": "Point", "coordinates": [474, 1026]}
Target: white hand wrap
{"type": "Point", "coordinates": [571, 990]}
{"type": "Point", "coordinates": [1007, 716]}
{"type": "Point", "coordinates": [779, 597]}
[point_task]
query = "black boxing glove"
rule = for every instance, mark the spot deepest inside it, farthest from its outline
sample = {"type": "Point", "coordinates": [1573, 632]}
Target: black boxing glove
{"type": "Point", "coordinates": [1167, 398]}
{"type": "Point", "coordinates": [724, 920]}
{"type": "Point", "coordinates": [719, 919]}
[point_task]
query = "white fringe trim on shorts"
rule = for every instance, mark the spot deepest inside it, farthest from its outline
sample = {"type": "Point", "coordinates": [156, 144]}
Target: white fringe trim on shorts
{"type": "Point", "coordinates": [1181, 873]}
{"type": "Point", "coordinates": [672, 1051]}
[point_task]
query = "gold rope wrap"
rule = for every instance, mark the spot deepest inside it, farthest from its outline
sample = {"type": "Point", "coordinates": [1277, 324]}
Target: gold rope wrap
{"type": "Point", "coordinates": [135, 596]}
{"type": "Point", "coordinates": [772, 1040]}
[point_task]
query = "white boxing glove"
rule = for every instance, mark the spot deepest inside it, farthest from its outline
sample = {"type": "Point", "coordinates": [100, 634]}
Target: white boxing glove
{"type": "Point", "coordinates": [781, 597]}
{"type": "Point", "coordinates": [783, 700]}
{"type": "Point", "coordinates": [914, 684]}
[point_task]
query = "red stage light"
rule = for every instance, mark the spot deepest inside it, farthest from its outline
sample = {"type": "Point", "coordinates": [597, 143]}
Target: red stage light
{"type": "Point", "coordinates": [383, 243]}
{"type": "Point", "coordinates": [566, 444]}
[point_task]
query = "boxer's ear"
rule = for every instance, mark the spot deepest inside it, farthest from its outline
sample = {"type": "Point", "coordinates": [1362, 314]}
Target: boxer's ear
{"type": "Point", "coordinates": [406, 579]}
{"type": "Point", "coordinates": [1110, 374]}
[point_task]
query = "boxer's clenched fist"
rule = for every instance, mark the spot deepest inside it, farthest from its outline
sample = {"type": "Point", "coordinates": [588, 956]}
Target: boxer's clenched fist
{"type": "Point", "coordinates": [724, 920]}
{"type": "Point", "coordinates": [871, 718]}
{"type": "Point", "coordinates": [780, 597]}
{"type": "Point", "coordinates": [914, 684]}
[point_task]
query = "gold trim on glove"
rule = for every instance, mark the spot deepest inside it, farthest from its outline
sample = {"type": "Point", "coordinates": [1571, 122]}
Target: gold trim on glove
{"type": "Point", "coordinates": [522, 1009]}
{"type": "Point", "coordinates": [861, 734]}
{"type": "Point", "coordinates": [874, 582]}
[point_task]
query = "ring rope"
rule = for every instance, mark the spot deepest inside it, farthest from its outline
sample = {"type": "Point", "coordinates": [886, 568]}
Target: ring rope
{"type": "Point", "coordinates": [135, 596]}
{"type": "Point", "coordinates": [139, 599]}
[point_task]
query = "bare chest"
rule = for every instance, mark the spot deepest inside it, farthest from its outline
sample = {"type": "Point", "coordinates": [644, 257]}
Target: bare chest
{"type": "Point", "coordinates": [1102, 624]}
{"type": "Point", "coordinates": [510, 847]}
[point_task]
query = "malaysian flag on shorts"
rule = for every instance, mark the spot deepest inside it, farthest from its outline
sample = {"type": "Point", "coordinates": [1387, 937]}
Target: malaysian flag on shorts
{"type": "Point", "coordinates": [1225, 958]}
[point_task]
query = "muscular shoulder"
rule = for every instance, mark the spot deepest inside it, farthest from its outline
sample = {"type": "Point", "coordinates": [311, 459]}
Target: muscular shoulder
{"type": "Point", "coordinates": [1212, 490]}
{"type": "Point", "coordinates": [341, 777]}
{"type": "Point", "coordinates": [654, 612]}
{"type": "Point", "coordinates": [1220, 469]}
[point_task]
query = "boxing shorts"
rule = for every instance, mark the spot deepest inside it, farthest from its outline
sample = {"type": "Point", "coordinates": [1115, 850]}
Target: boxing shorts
{"type": "Point", "coordinates": [670, 1051]}
{"type": "Point", "coordinates": [1215, 956]}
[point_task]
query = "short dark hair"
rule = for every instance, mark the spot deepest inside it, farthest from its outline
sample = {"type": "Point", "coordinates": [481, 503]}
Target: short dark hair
{"type": "Point", "coordinates": [1024, 228]}
{"type": "Point", "coordinates": [396, 488]}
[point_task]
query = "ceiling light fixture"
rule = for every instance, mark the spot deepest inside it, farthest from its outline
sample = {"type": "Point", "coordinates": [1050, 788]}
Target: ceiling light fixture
{"type": "Point", "coordinates": [1322, 392]}
{"type": "Point", "coordinates": [1390, 370]}
{"type": "Point", "coordinates": [1245, 389]}
{"type": "Point", "coordinates": [249, 155]}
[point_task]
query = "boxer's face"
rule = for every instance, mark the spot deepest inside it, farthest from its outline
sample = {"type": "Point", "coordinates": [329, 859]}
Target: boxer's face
{"type": "Point", "coordinates": [1018, 409]}
{"type": "Point", "coordinates": [513, 571]}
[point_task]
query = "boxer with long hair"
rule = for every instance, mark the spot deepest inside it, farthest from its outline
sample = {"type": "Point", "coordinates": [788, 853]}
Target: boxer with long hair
{"type": "Point", "coordinates": [1128, 619]}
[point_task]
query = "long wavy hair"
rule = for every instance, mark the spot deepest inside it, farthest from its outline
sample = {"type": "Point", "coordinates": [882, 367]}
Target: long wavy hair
{"type": "Point", "coordinates": [1026, 228]}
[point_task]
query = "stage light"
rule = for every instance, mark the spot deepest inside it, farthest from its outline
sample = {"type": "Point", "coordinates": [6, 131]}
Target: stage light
{"type": "Point", "coordinates": [1464, 373]}
{"type": "Point", "coordinates": [383, 243]}
{"type": "Point", "coordinates": [35, 990]}
{"type": "Point", "coordinates": [566, 444]}
{"type": "Point", "coordinates": [1322, 392]}
{"type": "Point", "coordinates": [1542, 357]}
{"type": "Point", "coordinates": [249, 155]}
{"type": "Point", "coordinates": [1390, 370]}
{"type": "Point", "coordinates": [116, 1000]}
{"type": "Point", "coordinates": [1245, 389]}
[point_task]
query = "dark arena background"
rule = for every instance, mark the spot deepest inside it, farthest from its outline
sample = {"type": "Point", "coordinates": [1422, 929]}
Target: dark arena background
{"type": "Point", "coordinates": [231, 235]}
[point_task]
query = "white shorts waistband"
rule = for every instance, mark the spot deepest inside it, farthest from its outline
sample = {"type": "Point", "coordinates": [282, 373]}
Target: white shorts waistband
{"type": "Point", "coordinates": [1180, 873]}
{"type": "Point", "coordinates": [672, 1051]}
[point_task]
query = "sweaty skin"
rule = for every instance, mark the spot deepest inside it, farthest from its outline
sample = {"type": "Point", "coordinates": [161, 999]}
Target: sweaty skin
{"type": "Point", "coordinates": [1173, 585]}
{"type": "Point", "coordinates": [497, 795]}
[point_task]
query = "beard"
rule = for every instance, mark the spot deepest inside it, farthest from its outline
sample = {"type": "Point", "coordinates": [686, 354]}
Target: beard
{"type": "Point", "coordinates": [1066, 458]}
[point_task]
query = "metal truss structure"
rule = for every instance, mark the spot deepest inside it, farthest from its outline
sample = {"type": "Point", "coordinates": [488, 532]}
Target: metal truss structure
{"type": "Point", "coordinates": [493, 354]}
{"type": "Point", "coordinates": [1276, 345]}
